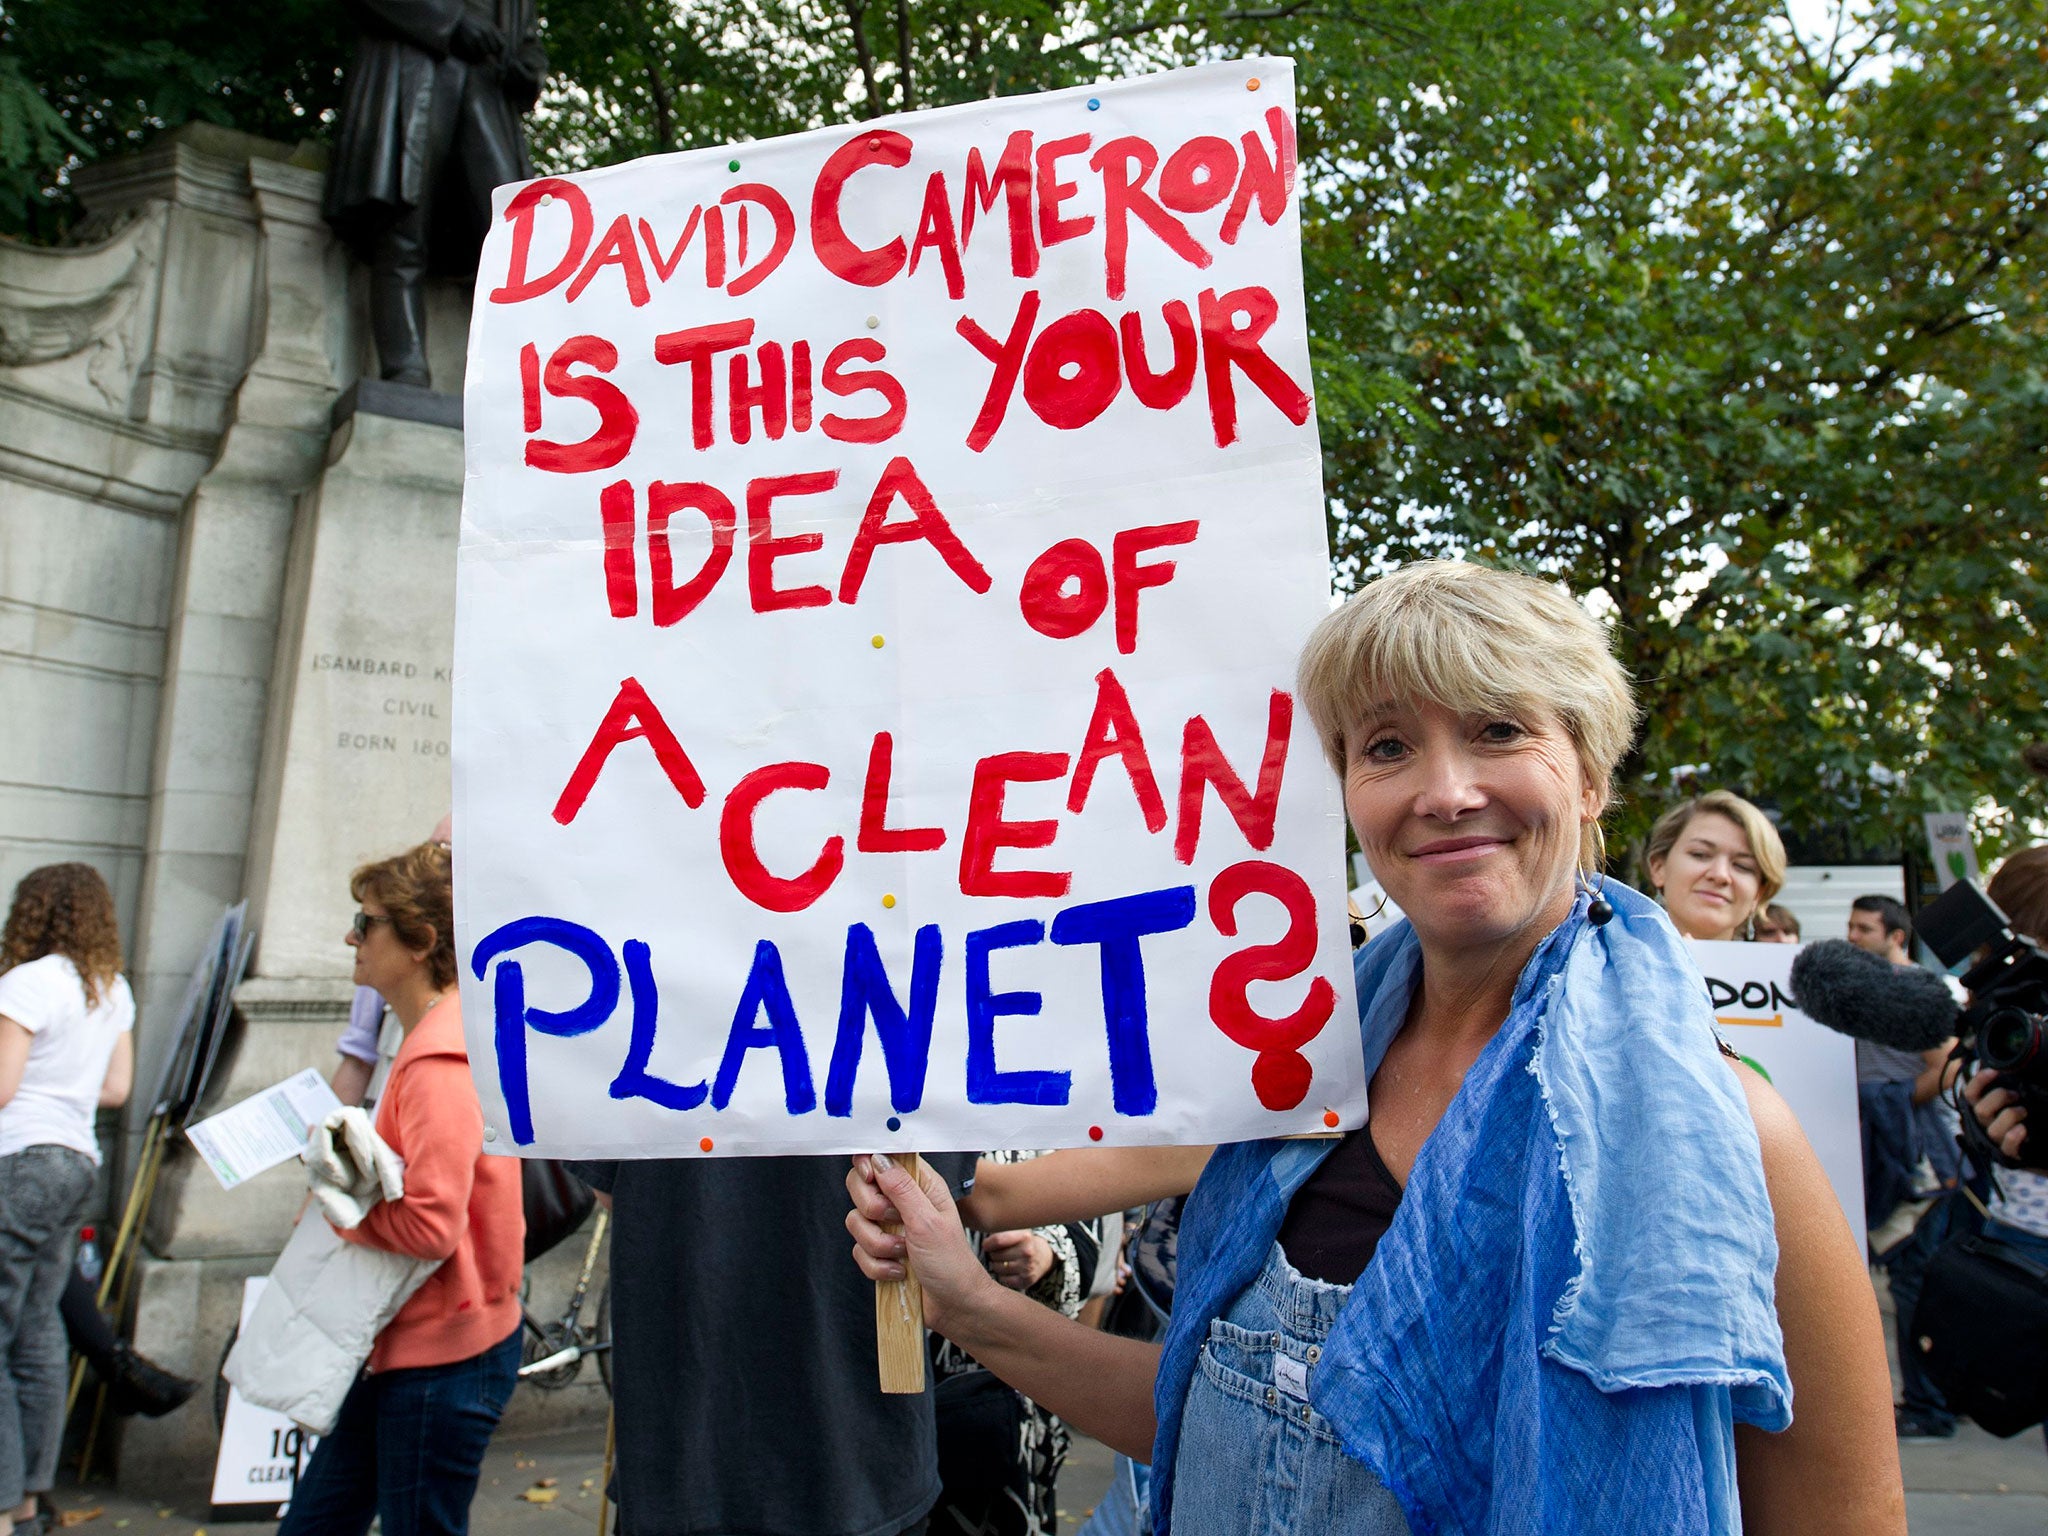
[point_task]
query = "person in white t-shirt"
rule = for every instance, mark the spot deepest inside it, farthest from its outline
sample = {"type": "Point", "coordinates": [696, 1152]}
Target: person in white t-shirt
{"type": "Point", "coordinates": [66, 1048]}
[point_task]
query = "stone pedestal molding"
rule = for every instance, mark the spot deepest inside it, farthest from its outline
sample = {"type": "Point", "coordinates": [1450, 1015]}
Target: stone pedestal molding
{"type": "Point", "coordinates": [226, 610]}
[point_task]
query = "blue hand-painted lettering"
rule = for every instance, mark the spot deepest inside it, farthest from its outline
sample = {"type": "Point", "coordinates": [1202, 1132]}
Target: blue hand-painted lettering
{"type": "Point", "coordinates": [905, 1034]}
{"type": "Point", "coordinates": [513, 1016]}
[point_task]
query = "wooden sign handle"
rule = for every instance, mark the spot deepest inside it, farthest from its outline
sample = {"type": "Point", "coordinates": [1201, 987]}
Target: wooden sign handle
{"type": "Point", "coordinates": [899, 1318]}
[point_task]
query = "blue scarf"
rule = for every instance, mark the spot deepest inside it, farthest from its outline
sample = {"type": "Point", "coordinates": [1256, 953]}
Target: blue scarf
{"type": "Point", "coordinates": [1574, 1302]}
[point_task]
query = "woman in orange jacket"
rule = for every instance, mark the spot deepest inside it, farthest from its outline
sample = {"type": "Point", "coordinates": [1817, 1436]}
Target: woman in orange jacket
{"type": "Point", "coordinates": [410, 1441]}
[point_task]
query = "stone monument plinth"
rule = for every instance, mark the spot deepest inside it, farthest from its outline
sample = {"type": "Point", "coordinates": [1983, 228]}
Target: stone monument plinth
{"type": "Point", "coordinates": [357, 737]}
{"type": "Point", "coordinates": [355, 767]}
{"type": "Point", "coordinates": [227, 574]}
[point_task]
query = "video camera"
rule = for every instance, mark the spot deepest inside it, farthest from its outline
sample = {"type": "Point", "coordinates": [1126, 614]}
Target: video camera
{"type": "Point", "coordinates": [2006, 1025]}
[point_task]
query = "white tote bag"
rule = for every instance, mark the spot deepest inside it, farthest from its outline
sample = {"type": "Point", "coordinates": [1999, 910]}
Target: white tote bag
{"type": "Point", "coordinates": [316, 1321]}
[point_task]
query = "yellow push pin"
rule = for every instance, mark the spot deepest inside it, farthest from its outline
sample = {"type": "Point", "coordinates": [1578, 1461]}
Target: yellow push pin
{"type": "Point", "coordinates": [876, 642]}
{"type": "Point", "coordinates": [888, 901]}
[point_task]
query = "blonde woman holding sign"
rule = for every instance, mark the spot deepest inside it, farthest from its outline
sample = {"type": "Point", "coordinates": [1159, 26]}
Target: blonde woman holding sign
{"type": "Point", "coordinates": [1574, 1248]}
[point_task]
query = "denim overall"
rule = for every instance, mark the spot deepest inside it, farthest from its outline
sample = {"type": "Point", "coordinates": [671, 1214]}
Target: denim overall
{"type": "Point", "coordinates": [1568, 1316]}
{"type": "Point", "coordinates": [1255, 1459]}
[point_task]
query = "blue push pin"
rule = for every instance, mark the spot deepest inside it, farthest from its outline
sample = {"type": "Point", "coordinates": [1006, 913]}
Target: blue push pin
{"type": "Point", "coordinates": [1094, 105]}
{"type": "Point", "coordinates": [893, 1123]}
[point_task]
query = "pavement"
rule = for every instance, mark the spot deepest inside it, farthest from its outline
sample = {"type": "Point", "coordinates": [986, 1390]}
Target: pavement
{"type": "Point", "coordinates": [550, 1485]}
{"type": "Point", "coordinates": [1974, 1484]}
{"type": "Point", "coordinates": [535, 1485]}
{"type": "Point", "coordinates": [547, 1485]}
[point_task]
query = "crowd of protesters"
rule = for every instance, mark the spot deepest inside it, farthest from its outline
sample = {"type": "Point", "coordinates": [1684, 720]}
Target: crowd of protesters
{"type": "Point", "coordinates": [1579, 1271]}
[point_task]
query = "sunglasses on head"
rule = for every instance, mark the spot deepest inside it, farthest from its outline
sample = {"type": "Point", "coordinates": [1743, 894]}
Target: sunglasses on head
{"type": "Point", "coordinates": [363, 923]}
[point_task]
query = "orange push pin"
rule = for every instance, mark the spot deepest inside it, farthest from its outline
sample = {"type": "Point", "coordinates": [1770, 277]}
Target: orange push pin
{"type": "Point", "coordinates": [704, 1145]}
{"type": "Point", "coordinates": [1330, 1118]}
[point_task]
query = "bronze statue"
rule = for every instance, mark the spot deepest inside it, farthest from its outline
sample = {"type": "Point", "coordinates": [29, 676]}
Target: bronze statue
{"type": "Point", "coordinates": [429, 125]}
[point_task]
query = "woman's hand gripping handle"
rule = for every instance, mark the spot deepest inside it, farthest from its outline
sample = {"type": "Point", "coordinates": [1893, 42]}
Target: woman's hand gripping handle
{"type": "Point", "coordinates": [932, 1239]}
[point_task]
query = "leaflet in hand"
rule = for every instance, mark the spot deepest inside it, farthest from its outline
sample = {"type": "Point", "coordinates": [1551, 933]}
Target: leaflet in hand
{"type": "Point", "coordinates": [264, 1129]}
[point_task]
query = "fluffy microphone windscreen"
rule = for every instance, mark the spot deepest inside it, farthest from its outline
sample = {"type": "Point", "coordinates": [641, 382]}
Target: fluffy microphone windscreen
{"type": "Point", "coordinates": [1857, 993]}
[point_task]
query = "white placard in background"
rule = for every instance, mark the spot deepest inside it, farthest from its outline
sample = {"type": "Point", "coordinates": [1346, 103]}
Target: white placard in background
{"type": "Point", "coordinates": [1813, 1067]}
{"type": "Point", "coordinates": [261, 1452]}
{"type": "Point", "coordinates": [1953, 849]}
{"type": "Point", "coordinates": [885, 552]}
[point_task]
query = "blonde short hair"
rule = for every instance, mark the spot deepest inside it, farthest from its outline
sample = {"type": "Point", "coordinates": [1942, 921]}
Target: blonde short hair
{"type": "Point", "coordinates": [1764, 843]}
{"type": "Point", "coordinates": [1476, 640]}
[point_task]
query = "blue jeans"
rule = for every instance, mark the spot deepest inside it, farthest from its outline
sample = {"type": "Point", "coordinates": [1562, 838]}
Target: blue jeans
{"type": "Point", "coordinates": [2032, 1244]}
{"type": "Point", "coordinates": [1255, 1458]}
{"type": "Point", "coordinates": [1906, 1272]}
{"type": "Point", "coordinates": [42, 1191]}
{"type": "Point", "coordinates": [1125, 1508]}
{"type": "Point", "coordinates": [407, 1449]}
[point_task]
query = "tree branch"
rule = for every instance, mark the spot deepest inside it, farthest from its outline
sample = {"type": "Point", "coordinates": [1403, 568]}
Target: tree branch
{"type": "Point", "coordinates": [856, 14]}
{"type": "Point", "coordinates": [1147, 28]}
{"type": "Point", "coordinates": [906, 96]}
{"type": "Point", "coordinates": [1815, 75]}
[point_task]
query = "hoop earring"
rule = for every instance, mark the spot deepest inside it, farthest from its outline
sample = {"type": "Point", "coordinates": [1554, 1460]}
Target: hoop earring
{"type": "Point", "coordinates": [1599, 910]}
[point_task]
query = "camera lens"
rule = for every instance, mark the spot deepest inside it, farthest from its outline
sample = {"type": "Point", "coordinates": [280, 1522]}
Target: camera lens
{"type": "Point", "coordinates": [2010, 1040]}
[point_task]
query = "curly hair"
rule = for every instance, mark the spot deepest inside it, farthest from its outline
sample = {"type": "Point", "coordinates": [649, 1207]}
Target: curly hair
{"type": "Point", "coordinates": [65, 909]}
{"type": "Point", "coordinates": [417, 889]}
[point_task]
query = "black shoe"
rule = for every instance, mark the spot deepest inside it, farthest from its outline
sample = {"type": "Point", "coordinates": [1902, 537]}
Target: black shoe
{"type": "Point", "coordinates": [1917, 1428]}
{"type": "Point", "coordinates": [139, 1386]}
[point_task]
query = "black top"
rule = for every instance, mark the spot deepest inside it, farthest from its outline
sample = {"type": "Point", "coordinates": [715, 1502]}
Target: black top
{"type": "Point", "coordinates": [743, 1364]}
{"type": "Point", "coordinates": [1336, 1220]}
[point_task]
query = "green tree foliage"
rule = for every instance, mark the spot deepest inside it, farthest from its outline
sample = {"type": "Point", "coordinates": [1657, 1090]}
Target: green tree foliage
{"type": "Point", "coordinates": [641, 76]}
{"type": "Point", "coordinates": [82, 79]}
{"type": "Point", "coordinates": [1753, 349]}
{"type": "Point", "coordinates": [1736, 326]}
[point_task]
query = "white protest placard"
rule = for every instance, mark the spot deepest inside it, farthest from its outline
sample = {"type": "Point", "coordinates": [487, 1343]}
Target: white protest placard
{"type": "Point", "coordinates": [261, 1452]}
{"type": "Point", "coordinates": [1954, 850]}
{"type": "Point", "coordinates": [1812, 1066]}
{"type": "Point", "coordinates": [263, 1130]}
{"type": "Point", "coordinates": [884, 556]}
